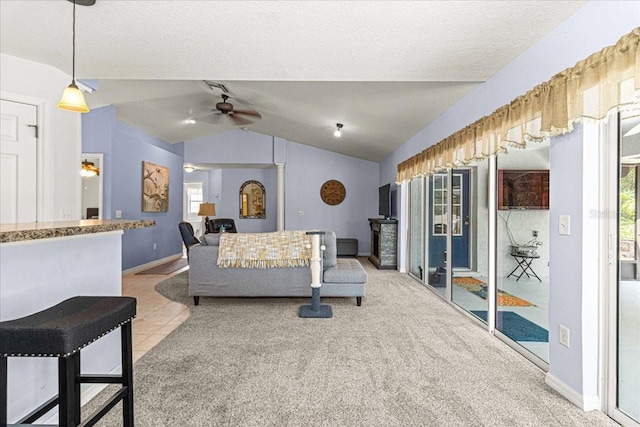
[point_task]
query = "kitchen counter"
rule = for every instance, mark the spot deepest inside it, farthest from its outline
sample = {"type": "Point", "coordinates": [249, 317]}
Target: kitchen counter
{"type": "Point", "coordinates": [45, 230]}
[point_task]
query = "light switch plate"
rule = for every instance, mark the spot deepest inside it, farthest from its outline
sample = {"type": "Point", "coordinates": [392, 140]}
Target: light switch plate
{"type": "Point", "coordinates": [564, 225]}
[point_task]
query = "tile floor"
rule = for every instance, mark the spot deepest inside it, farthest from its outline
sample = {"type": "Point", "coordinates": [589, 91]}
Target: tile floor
{"type": "Point", "coordinates": [156, 316]}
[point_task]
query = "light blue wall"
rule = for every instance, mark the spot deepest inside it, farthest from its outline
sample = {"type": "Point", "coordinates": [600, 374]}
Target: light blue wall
{"type": "Point", "coordinates": [565, 269]}
{"type": "Point", "coordinates": [124, 149]}
{"type": "Point", "coordinates": [306, 169]}
{"type": "Point", "coordinates": [229, 200]}
{"type": "Point", "coordinates": [597, 25]}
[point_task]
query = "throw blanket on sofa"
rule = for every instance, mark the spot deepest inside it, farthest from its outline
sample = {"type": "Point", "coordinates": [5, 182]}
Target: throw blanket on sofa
{"type": "Point", "coordinates": [264, 250]}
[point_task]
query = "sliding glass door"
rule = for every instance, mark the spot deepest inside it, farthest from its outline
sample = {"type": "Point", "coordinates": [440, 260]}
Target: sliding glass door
{"type": "Point", "coordinates": [522, 248]}
{"type": "Point", "coordinates": [627, 304]}
{"type": "Point", "coordinates": [470, 239]}
{"type": "Point", "coordinates": [416, 222]}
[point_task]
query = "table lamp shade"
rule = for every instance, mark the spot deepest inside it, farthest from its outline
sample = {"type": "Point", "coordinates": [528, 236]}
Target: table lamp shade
{"type": "Point", "coordinates": [207, 209]}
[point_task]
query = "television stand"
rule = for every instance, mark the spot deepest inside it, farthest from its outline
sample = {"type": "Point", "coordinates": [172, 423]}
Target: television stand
{"type": "Point", "coordinates": [384, 243]}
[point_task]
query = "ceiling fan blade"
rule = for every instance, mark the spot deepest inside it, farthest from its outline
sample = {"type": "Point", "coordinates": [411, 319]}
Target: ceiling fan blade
{"type": "Point", "coordinates": [248, 113]}
{"type": "Point", "coordinates": [241, 120]}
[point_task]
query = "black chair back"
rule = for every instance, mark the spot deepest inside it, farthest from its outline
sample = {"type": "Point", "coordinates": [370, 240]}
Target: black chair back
{"type": "Point", "coordinates": [188, 236]}
{"type": "Point", "coordinates": [228, 224]}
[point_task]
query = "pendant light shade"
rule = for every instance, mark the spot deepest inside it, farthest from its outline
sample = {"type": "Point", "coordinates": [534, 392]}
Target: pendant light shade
{"type": "Point", "coordinates": [72, 98]}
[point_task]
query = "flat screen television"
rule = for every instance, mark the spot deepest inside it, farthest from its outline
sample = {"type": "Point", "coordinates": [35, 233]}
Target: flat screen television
{"type": "Point", "coordinates": [384, 201]}
{"type": "Point", "coordinates": [523, 189]}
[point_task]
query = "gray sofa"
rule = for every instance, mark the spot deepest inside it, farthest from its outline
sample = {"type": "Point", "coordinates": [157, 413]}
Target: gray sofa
{"type": "Point", "coordinates": [341, 277]}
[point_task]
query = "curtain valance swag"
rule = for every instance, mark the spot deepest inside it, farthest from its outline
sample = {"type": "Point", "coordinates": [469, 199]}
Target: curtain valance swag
{"type": "Point", "coordinates": [606, 80]}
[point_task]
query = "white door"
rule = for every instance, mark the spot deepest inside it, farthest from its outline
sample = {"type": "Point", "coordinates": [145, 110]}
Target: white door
{"type": "Point", "coordinates": [18, 162]}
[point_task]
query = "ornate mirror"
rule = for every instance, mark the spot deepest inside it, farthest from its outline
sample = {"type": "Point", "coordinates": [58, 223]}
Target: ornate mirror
{"type": "Point", "coordinates": [252, 200]}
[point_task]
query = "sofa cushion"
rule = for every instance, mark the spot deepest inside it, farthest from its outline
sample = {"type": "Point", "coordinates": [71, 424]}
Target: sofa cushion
{"type": "Point", "coordinates": [347, 270]}
{"type": "Point", "coordinates": [330, 254]}
{"type": "Point", "coordinates": [210, 239]}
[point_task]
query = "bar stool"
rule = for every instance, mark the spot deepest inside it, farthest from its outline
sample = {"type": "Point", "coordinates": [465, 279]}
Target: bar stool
{"type": "Point", "coordinates": [61, 331]}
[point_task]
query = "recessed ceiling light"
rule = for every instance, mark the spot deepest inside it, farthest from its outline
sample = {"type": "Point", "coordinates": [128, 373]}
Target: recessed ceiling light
{"type": "Point", "coordinates": [338, 132]}
{"type": "Point", "coordinates": [190, 121]}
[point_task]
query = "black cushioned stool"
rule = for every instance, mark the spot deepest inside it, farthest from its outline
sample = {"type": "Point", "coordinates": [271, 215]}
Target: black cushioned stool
{"type": "Point", "coordinates": [61, 331]}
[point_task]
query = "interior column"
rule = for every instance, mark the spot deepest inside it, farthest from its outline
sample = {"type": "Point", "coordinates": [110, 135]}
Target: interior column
{"type": "Point", "coordinates": [280, 198]}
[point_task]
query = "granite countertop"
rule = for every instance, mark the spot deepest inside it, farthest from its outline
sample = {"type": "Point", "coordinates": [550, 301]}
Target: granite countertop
{"type": "Point", "coordinates": [45, 230]}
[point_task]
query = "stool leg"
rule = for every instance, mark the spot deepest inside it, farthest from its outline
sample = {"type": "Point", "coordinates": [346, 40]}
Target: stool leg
{"type": "Point", "coordinates": [69, 390]}
{"type": "Point", "coordinates": [127, 373]}
{"type": "Point", "coordinates": [3, 391]}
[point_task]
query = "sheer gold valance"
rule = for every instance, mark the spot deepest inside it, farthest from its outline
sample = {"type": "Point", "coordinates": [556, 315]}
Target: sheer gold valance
{"type": "Point", "coordinates": [606, 80]}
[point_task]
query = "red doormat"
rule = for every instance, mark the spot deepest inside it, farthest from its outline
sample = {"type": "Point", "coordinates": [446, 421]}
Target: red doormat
{"type": "Point", "coordinates": [479, 288]}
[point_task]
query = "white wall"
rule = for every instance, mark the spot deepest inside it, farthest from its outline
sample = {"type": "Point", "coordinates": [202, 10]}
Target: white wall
{"type": "Point", "coordinates": [60, 136]}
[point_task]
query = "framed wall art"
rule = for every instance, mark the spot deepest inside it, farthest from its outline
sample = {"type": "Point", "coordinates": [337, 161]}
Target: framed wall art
{"type": "Point", "coordinates": [155, 187]}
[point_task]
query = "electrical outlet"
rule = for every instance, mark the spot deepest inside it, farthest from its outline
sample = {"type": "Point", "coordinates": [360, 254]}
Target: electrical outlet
{"type": "Point", "coordinates": [118, 214]}
{"type": "Point", "coordinates": [155, 246]}
{"type": "Point", "coordinates": [300, 213]}
{"type": "Point", "coordinates": [535, 233]}
{"type": "Point", "coordinates": [563, 335]}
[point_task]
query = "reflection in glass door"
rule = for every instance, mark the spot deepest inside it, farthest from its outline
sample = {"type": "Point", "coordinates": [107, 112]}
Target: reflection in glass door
{"type": "Point", "coordinates": [522, 249]}
{"type": "Point", "coordinates": [628, 290]}
{"type": "Point", "coordinates": [436, 225]}
{"type": "Point", "coordinates": [416, 221]}
{"type": "Point", "coordinates": [470, 203]}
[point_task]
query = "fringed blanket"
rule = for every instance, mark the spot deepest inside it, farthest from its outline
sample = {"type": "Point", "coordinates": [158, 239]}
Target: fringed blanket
{"type": "Point", "coordinates": [264, 250]}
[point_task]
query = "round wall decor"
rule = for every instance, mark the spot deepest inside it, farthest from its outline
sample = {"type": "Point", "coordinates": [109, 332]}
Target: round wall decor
{"type": "Point", "coordinates": [333, 192]}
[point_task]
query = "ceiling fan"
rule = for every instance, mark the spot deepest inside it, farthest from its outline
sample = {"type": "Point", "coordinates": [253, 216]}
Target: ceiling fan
{"type": "Point", "coordinates": [225, 111]}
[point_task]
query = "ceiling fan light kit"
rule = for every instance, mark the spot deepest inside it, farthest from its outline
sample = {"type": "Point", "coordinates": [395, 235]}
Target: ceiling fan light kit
{"type": "Point", "coordinates": [338, 132]}
{"type": "Point", "coordinates": [72, 97]}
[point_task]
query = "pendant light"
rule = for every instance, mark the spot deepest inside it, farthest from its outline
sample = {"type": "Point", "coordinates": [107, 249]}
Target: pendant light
{"type": "Point", "coordinates": [72, 98]}
{"type": "Point", "coordinates": [89, 169]}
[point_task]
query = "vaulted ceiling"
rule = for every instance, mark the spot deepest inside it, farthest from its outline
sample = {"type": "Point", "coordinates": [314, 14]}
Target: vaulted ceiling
{"type": "Point", "coordinates": [384, 69]}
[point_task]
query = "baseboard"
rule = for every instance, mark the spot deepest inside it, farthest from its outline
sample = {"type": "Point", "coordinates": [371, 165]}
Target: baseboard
{"type": "Point", "coordinates": [588, 403]}
{"type": "Point", "coordinates": [138, 268]}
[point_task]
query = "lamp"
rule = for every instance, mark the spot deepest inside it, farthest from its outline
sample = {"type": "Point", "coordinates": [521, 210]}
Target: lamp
{"type": "Point", "coordinates": [72, 98]}
{"type": "Point", "coordinates": [89, 169]}
{"type": "Point", "coordinates": [189, 169]}
{"type": "Point", "coordinates": [338, 131]}
{"type": "Point", "coordinates": [206, 210]}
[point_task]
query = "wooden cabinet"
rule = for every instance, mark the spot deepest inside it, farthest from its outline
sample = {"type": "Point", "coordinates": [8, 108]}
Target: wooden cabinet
{"type": "Point", "coordinates": [384, 243]}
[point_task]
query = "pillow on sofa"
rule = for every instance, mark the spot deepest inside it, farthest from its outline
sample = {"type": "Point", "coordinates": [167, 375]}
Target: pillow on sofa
{"type": "Point", "coordinates": [330, 254]}
{"type": "Point", "coordinates": [210, 239]}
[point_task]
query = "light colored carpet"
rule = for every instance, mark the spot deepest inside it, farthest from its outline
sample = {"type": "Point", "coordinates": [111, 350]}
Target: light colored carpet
{"type": "Point", "coordinates": [404, 358]}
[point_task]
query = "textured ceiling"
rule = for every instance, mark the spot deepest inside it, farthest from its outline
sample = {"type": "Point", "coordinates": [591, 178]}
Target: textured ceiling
{"type": "Point", "coordinates": [384, 69]}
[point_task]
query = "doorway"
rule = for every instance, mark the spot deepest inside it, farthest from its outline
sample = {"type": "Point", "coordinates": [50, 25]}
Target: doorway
{"type": "Point", "coordinates": [92, 173]}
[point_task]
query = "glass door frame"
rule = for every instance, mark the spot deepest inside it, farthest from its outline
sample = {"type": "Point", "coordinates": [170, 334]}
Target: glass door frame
{"type": "Point", "coordinates": [609, 256]}
{"type": "Point", "coordinates": [425, 269]}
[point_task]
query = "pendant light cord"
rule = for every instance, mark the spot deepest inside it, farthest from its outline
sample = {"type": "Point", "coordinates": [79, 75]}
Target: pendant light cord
{"type": "Point", "coordinates": [73, 56]}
